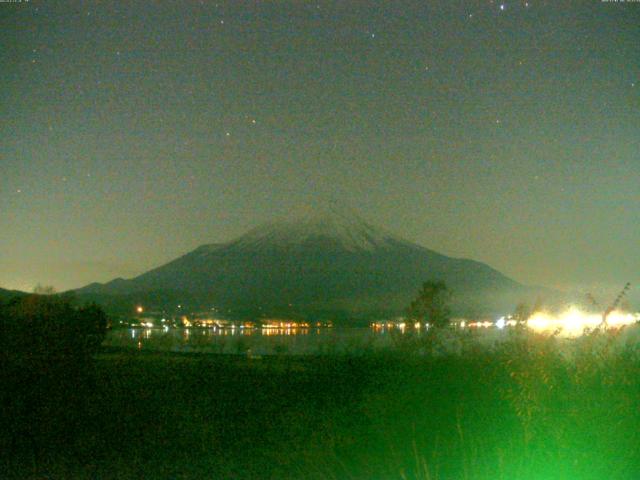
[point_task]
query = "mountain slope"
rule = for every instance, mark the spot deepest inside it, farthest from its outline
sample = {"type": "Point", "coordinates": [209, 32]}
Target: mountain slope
{"type": "Point", "coordinates": [6, 295]}
{"type": "Point", "coordinates": [329, 263]}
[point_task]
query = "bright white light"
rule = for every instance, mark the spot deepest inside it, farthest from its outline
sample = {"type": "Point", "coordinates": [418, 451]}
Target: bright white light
{"type": "Point", "coordinates": [501, 322]}
{"type": "Point", "coordinates": [573, 322]}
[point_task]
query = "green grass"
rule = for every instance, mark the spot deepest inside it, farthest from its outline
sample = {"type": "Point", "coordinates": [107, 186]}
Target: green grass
{"type": "Point", "coordinates": [522, 410]}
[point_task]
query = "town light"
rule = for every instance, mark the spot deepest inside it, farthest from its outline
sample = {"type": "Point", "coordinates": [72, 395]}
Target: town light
{"type": "Point", "coordinates": [573, 322]}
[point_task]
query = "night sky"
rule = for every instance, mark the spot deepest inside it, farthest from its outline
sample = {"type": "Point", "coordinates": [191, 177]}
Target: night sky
{"type": "Point", "coordinates": [132, 132]}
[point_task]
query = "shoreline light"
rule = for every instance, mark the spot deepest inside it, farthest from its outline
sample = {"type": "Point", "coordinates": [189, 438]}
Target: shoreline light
{"type": "Point", "coordinates": [574, 322]}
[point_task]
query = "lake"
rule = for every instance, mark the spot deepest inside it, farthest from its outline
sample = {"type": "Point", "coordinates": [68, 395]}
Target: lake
{"type": "Point", "coordinates": [306, 341]}
{"type": "Point", "coordinates": [256, 341]}
{"type": "Point", "coordinates": [293, 341]}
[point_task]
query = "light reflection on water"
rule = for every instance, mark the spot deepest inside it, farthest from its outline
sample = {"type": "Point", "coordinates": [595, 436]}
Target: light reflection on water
{"type": "Point", "coordinates": [298, 341]}
{"type": "Point", "coordinates": [257, 341]}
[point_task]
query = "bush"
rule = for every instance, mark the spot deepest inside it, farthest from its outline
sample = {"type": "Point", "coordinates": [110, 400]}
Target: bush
{"type": "Point", "coordinates": [49, 328]}
{"type": "Point", "coordinates": [46, 373]}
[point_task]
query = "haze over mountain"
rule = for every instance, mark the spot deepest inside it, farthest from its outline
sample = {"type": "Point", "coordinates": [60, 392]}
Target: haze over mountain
{"type": "Point", "coordinates": [317, 263]}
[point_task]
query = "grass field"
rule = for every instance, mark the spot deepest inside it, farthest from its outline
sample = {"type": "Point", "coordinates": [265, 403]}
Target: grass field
{"type": "Point", "coordinates": [522, 410]}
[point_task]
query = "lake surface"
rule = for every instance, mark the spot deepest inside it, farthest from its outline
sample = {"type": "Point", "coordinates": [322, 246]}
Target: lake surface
{"type": "Point", "coordinates": [294, 341]}
{"type": "Point", "coordinates": [307, 341]}
{"type": "Point", "coordinates": [250, 341]}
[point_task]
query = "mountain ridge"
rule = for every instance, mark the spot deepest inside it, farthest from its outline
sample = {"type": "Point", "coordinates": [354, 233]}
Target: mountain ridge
{"type": "Point", "coordinates": [6, 295]}
{"type": "Point", "coordinates": [320, 261]}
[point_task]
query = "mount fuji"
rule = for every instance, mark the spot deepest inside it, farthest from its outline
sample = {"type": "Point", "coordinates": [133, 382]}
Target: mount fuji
{"type": "Point", "coordinates": [328, 263]}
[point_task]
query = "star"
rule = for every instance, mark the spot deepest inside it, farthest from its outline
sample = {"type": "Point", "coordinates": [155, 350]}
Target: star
{"type": "Point", "coordinates": [502, 6]}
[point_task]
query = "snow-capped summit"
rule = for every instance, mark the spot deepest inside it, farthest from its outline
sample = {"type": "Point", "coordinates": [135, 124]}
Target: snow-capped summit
{"type": "Point", "coordinates": [337, 225]}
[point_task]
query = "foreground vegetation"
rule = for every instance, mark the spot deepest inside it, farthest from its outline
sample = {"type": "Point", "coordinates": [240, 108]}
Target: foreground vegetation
{"type": "Point", "coordinates": [525, 409]}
